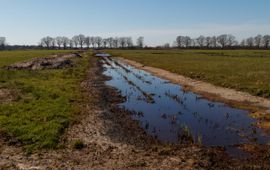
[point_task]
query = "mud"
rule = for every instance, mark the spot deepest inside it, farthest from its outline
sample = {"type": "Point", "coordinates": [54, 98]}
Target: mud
{"type": "Point", "coordinates": [115, 141]}
{"type": "Point", "coordinates": [51, 62]}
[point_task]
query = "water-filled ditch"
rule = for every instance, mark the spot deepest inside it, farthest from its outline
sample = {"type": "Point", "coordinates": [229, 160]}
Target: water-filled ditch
{"type": "Point", "coordinates": [171, 114]}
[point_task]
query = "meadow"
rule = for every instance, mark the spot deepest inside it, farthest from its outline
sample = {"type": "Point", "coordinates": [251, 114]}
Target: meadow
{"type": "Point", "coordinates": [45, 101]}
{"type": "Point", "coordinates": [10, 57]}
{"type": "Point", "coordinates": [244, 70]}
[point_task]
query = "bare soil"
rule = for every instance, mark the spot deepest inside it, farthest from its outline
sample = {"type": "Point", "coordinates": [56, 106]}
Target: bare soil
{"type": "Point", "coordinates": [259, 106]}
{"type": "Point", "coordinates": [51, 62]}
{"type": "Point", "coordinates": [114, 141]}
{"type": "Point", "coordinates": [6, 96]}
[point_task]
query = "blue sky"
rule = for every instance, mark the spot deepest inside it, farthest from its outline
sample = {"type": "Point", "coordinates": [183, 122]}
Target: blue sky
{"type": "Point", "coordinates": [159, 21]}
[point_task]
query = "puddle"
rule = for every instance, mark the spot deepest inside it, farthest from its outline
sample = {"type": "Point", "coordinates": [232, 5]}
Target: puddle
{"type": "Point", "coordinates": [173, 115]}
{"type": "Point", "coordinates": [102, 55]}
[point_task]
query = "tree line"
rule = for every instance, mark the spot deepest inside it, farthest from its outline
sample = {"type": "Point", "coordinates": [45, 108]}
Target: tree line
{"type": "Point", "coordinates": [224, 41]}
{"type": "Point", "coordinates": [2, 43]}
{"type": "Point", "coordinates": [82, 41]}
{"type": "Point", "coordinates": [221, 41]}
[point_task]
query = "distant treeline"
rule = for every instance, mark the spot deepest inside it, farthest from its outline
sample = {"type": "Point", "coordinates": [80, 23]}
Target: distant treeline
{"type": "Point", "coordinates": [82, 41]}
{"type": "Point", "coordinates": [224, 41]}
{"type": "Point", "coordinates": [2, 43]}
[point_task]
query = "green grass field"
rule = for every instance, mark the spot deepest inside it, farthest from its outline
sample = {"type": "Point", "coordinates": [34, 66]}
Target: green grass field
{"type": "Point", "coordinates": [9, 57]}
{"type": "Point", "coordinates": [244, 70]}
{"type": "Point", "coordinates": [46, 100]}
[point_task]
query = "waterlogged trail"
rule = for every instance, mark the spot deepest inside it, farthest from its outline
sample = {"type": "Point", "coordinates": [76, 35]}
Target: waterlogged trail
{"type": "Point", "coordinates": [113, 140]}
{"type": "Point", "coordinates": [171, 114]}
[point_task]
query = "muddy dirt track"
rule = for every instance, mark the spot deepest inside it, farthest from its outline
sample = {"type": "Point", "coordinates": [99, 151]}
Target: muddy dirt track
{"type": "Point", "coordinates": [115, 141]}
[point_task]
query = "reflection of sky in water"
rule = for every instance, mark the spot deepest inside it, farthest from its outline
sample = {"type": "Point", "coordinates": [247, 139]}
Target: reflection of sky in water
{"type": "Point", "coordinates": [216, 123]}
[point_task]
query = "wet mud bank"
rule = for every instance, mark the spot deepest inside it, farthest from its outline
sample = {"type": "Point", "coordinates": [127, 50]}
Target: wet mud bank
{"type": "Point", "coordinates": [52, 62]}
{"type": "Point", "coordinates": [171, 114]}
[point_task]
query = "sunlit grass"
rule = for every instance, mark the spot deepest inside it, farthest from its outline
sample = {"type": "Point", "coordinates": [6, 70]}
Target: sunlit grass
{"type": "Point", "coordinates": [245, 70]}
{"type": "Point", "coordinates": [46, 104]}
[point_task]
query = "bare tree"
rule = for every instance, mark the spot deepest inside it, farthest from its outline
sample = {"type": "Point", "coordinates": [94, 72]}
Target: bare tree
{"type": "Point", "coordinates": [266, 41]}
{"type": "Point", "coordinates": [140, 42]}
{"type": "Point", "coordinates": [231, 40]}
{"type": "Point", "coordinates": [201, 41]}
{"type": "Point", "coordinates": [70, 43]}
{"type": "Point", "coordinates": [93, 41]}
{"type": "Point", "coordinates": [187, 41]}
{"type": "Point", "coordinates": [110, 41]}
{"type": "Point", "coordinates": [123, 42]}
{"type": "Point", "coordinates": [65, 41]}
{"type": "Point", "coordinates": [250, 42]}
{"type": "Point", "coordinates": [81, 40]}
{"type": "Point", "coordinates": [116, 42]}
{"type": "Point", "coordinates": [129, 41]}
{"type": "Point", "coordinates": [53, 43]}
{"type": "Point", "coordinates": [180, 41]}
{"type": "Point", "coordinates": [193, 42]}
{"type": "Point", "coordinates": [258, 40]}
{"type": "Point", "coordinates": [214, 41]}
{"type": "Point", "coordinates": [223, 40]}
{"type": "Point", "coordinates": [98, 41]}
{"type": "Point", "coordinates": [105, 42]}
{"type": "Point", "coordinates": [208, 41]}
{"type": "Point", "coordinates": [87, 41]}
{"type": "Point", "coordinates": [2, 42]}
{"type": "Point", "coordinates": [59, 41]}
{"type": "Point", "coordinates": [47, 41]}
{"type": "Point", "coordinates": [243, 43]}
{"type": "Point", "coordinates": [75, 40]}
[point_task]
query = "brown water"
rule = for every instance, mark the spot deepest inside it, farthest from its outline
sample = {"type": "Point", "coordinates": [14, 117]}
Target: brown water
{"type": "Point", "coordinates": [173, 115]}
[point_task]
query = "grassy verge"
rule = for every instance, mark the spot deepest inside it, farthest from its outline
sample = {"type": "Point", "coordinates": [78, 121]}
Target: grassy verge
{"type": "Point", "coordinates": [45, 105]}
{"type": "Point", "coordinates": [244, 70]}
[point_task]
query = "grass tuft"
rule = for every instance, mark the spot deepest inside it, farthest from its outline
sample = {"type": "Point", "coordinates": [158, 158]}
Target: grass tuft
{"type": "Point", "coordinates": [78, 144]}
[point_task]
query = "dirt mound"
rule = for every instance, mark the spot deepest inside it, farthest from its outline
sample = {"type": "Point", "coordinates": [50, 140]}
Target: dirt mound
{"type": "Point", "coordinates": [52, 62]}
